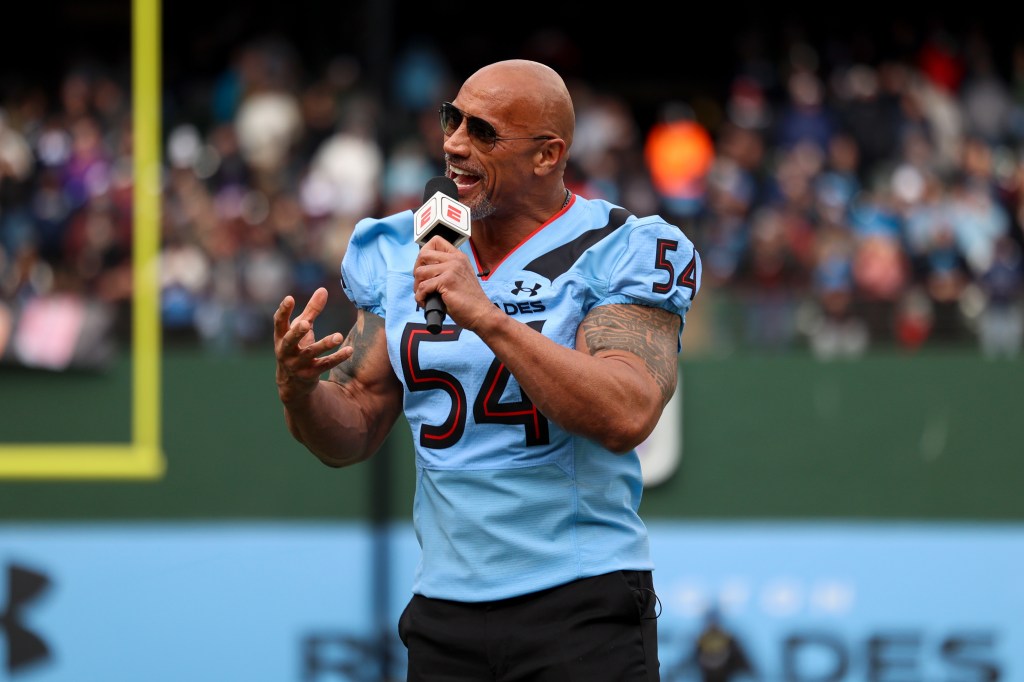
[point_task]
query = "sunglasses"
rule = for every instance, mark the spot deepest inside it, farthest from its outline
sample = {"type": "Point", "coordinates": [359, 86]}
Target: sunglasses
{"type": "Point", "coordinates": [482, 133]}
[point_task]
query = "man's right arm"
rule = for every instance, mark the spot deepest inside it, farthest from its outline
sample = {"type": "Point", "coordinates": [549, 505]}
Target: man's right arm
{"type": "Point", "coordinates": [342, 420]}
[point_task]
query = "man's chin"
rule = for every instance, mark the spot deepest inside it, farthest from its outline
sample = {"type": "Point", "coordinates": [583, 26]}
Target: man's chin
{"type": "Point", "coordinates": [481, 208]}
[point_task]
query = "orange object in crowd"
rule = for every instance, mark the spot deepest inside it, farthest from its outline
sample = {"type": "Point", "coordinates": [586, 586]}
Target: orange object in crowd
{"type": "Point", "coordinates": [679, 155]}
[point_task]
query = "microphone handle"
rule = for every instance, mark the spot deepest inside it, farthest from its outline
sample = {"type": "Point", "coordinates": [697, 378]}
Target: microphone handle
{"type": "Point", "coordinates": [434, 311]}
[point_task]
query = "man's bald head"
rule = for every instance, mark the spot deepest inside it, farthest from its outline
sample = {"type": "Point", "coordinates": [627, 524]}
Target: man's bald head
{"type": "Point", "coordinates": [531, 95]}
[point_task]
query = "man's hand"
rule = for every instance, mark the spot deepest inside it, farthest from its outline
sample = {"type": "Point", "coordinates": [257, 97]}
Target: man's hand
{"type": "Point", "coordinates": [442, 268]}
{"type": "Point", "coordinates": [299, 364]}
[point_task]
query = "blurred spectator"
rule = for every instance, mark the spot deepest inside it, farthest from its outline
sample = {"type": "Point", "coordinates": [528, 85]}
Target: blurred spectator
{"type": "Point", "coordinates": [805, 117]}
{"type": "Point", "coordinates": [747, 106]}
{"type": "Point", "coordinates": [772, 279]}
{"type": "Point", "coordinates": [914, 319]}
{"type": "Point", "coordinates": [343, 177]}
{"type": "Point", "coordinates": [605, 131]}
{"type": "Point", "coordinates": [422, 77]}
{"type": "Point", "coordinates": [1001, 328]}
{"type": "Point", "coordinates": [987, 103]}
{"type": "Point", "coordinates": [269, 124]}
{"type": "Point", "coordinates": [940, 58]}
{"type": "Point", "coordinates": [17, 164]}
{"type": "Point", "coordinates": [881, 271]}
{"type": "Point", "coordinates": [868, 113]}
{"type": "Point", "coordinates": [836, 329]}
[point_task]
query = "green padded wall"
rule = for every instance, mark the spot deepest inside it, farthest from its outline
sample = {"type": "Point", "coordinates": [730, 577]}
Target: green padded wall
{"type": "Point", "coordinates": [931, 436]}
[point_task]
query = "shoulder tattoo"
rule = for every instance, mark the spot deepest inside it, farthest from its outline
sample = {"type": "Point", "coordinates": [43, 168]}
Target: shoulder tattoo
{"type": "Point", "coordinates": [362, 335]}
{"type": "Point", "coordinates": [649, 333]}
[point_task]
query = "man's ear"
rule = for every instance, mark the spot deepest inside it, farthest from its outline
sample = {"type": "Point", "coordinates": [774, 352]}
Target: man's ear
{"type": "Point", "coordinates": [549, 156]}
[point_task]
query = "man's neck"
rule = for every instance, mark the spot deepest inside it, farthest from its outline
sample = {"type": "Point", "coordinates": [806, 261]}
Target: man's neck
{"type": "Point", "coordinates": [496, 236]}
{"type": "Point", "coordinates": [494, 240]}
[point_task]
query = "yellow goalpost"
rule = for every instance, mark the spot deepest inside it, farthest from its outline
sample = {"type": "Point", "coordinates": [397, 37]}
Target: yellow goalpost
{"type": "Point", "coordinates": [143, 457]}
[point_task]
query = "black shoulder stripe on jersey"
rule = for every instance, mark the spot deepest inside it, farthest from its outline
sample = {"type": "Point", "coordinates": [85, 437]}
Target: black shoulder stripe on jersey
{"type": "Point", "coordinates": [558, 260]}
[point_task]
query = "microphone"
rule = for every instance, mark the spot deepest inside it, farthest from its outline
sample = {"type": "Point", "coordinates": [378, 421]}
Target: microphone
{"type": "Point", "coordinates": [441, 214]}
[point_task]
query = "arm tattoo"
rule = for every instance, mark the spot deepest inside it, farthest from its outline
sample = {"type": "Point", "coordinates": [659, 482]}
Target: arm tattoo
{"type": "Point", "coordinates": [649, 333]}
{"type": "Point", "coordinates": [360, 337]}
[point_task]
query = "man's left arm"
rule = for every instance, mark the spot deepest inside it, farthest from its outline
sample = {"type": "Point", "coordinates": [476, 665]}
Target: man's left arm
{"type": "Point", "coordinates": [635, 332]}
{"type": "Point", "coordinates": [613, 387]}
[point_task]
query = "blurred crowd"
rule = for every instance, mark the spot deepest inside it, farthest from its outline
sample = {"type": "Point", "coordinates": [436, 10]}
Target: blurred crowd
{"type": "Point", "coordinates": [841, 201]}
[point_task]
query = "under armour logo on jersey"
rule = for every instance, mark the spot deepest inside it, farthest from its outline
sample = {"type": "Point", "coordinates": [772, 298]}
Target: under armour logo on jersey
{"type": "Point", "coordinates": [23, 646]}
{"type": "Point", "coordinates": [520, 288]}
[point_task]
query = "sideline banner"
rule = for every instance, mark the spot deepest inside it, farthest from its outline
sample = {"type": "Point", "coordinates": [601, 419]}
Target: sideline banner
{"type": "Point", "coordinates": [280, 601]}
{"type": "Point", "coordinates": [882, 602]}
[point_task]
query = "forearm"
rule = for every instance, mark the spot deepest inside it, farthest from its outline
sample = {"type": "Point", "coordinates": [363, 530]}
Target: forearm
{"type": "Point", "coordinates": [334, 426]}
{"type": "Point", "coordinates": [610, 399]}
{"type": "Point", "coordinates": [344, 420]}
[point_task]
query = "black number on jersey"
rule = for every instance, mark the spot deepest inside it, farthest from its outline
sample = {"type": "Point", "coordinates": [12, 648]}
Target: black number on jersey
{"type": "Point", "coordinates": [487, 408]}
{"type": "Point", "coordinates": [687, 278]}
{"type": "Point", "coordinates": [449, 432]}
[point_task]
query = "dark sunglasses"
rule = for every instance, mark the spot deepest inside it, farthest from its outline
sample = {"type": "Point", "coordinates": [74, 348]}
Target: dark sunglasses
{"type": "Point", "coordinates": [482, 133]}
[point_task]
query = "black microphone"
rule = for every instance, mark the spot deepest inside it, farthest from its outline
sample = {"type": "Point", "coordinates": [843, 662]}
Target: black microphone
{"type": "Point", "coordinates": [441, 214]}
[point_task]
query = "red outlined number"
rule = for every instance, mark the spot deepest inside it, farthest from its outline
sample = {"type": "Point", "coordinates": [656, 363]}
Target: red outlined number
{"type": "Point", "coordinates": [662, 262]}
{"type": "Point", "coordinates": [449, 432]}
{"type": "Point", "coordinates": [487, 408]}
{"type": "Point", "coordinates": [687, 278]}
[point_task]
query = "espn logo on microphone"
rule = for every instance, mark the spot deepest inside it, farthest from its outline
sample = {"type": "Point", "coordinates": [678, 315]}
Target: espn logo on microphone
{"type": "Point", "coordinates": [428, 213]}
{"type": "Point", "coordinates": [453, 211]}
{"type": "Point", "coordinates": [442, 215]}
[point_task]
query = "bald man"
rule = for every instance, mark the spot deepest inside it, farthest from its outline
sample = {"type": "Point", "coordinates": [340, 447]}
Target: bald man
{"type": "Point", "coordinates": [558, 355]}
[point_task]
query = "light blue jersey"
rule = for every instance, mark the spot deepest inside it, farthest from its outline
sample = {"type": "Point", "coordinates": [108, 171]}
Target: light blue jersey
{"type": "Point", "coordinates": [507, 502]}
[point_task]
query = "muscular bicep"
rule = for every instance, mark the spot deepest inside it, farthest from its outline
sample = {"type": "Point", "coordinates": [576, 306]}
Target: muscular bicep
{"type": "Point", "coordinates": [650, 334]}
{"type": "Point", "coordinates": [367, 377]}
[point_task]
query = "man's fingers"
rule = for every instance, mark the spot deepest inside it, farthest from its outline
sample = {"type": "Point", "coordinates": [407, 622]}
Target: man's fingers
{"type": "Point", "coordinates": [291, 334]}
{"type": "Point", "coordinates": [428, 256]}
{"type": "Point", "coordinates": [328, 362]}
{"type": "Point", "coordinates": [296, 332]}
{"type": "Point", "coordinates": [315, 306]}
{"type": "Point", "coordinates": [439, 243]}
{"type": "Point", "coordinates": [281, 315]}
{"type": "Point", "coordinates": [313, 364]}
{"type": "Point", "coordinates": [425, 271]}
{"type": "Point", "coordinates": [328, 342]}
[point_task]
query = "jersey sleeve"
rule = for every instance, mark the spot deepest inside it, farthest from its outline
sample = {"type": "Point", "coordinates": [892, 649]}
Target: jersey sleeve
{"type": "Point", "coordinates": [361, 260]}
{"type": "Point", "coordinates": [657, 266]}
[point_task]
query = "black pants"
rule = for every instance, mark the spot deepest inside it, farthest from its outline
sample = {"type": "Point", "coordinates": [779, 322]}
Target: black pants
{"type": "Point", "coordinates": [600, 629]}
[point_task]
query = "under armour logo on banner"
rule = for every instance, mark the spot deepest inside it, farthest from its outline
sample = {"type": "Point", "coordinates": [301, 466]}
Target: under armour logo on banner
{"type": "Point", "coordinates": [520, 288]}
{"type": "Point", "coordinates": [23, 647]}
